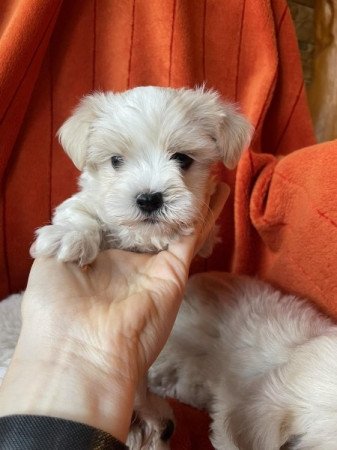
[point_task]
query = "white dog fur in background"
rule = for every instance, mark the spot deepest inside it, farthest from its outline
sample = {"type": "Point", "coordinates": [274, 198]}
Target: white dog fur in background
{"type": "Point", "coordinates": [262, 363]}
{"type": "Point", "coordinates": [146, 157]}
{"type": "Point", "coordinates": [10, 324]}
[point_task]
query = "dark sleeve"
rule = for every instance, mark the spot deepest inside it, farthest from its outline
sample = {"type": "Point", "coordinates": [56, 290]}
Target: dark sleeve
{"type": "Point", "coordinates": [25, 432]}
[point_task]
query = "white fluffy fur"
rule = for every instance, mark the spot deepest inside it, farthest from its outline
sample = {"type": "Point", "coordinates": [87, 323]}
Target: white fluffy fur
{"type": "Point", "coordinates": [145, 126]}
{"type": "Point", "coordinates": [10, 325]}
{"type": "Point", "coordinates": [263, 364]}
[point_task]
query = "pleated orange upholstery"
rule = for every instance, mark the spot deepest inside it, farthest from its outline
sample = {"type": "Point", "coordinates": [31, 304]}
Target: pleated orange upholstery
{"type": "Point", "coordinates": [280, 221]}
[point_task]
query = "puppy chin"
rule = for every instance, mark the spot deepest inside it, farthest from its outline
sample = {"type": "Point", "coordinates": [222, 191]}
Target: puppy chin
{"type": "Point", "coordinates": [147, 235]}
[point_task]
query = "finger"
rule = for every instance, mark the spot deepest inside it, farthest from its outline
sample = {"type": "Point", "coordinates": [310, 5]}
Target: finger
{"type": "Point", "coordinates": [185, 247]}
{"type": "Point", "coordinates": [216, 205]}
{"type": "Point", "coordinates": [210, 193]}
{"type": "Point", "coordinates": [219, 198]}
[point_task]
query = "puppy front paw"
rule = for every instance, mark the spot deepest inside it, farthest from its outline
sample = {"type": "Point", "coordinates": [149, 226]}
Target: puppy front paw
{"type": "Point", "coordinates": [81, 246]}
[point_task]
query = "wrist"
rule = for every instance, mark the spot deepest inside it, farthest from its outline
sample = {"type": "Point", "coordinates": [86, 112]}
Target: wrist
{"type": "Point", "coordinates": [60, 379]}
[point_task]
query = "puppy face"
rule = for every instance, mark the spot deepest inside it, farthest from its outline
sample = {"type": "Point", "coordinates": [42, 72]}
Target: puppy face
{"type": "Point", "coordinates": [146, 156]}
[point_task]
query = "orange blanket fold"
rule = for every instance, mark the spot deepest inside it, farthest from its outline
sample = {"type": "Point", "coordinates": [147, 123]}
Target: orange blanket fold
{"type": "Point", "coordinates": [289, 218]}
{"type": "Point", "coordinates": [280, 220]}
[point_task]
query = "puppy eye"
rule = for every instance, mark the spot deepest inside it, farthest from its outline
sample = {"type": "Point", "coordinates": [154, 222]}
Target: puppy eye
{"type": "Point", "coordinates": [116, 161]}
{"type": "Point", "coordinates": [183, 160]}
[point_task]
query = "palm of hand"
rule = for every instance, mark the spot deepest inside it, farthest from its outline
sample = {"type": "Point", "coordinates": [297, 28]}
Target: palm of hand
{"type": "Point", "coordinates": [124, 301]}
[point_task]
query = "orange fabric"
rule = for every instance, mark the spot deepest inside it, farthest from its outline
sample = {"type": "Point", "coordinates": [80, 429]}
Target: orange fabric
{"type": "Point", "coordinates": [280, 221]}
{"type": "Point", "coordinates": [288, 216]}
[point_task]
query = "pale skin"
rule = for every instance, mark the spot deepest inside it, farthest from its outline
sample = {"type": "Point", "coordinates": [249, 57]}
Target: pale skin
{"type": "Point", "coordinates": [89, 336]}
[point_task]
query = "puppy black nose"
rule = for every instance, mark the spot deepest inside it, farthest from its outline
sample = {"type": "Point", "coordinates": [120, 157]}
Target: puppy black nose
{"type": "Point", "coordinates": [150, 201]}
{"type": "Point", "coordinates": [168, 431]}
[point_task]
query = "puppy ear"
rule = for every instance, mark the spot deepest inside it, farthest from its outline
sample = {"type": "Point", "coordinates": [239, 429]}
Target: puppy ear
{"type": "Point", "coordinates": [292, 443]}
{"type": "Point", "coordinates": [74, 133]}
{"type": "Point", "coordinates": [229, 129]}
{"type": "Point", "coordinates": [261, 424]}
{"type": "Point", "coordinates": [233, 135]}
{"type": "Point", "coordinates": [263, 418]}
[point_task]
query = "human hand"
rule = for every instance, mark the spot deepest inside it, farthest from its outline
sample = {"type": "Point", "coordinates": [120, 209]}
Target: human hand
{"type": "Point", "coordinates": [100, 329]}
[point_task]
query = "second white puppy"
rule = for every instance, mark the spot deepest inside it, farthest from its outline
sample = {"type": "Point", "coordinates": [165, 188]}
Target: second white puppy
{"type": "Point", "coordinates": [262, 363]}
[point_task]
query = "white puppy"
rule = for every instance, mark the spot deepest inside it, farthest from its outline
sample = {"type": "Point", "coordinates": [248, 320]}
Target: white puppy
{"type": "Point", "coordinates": [146, 157]}
{"type": "Point", "coordinates": [262, 363]}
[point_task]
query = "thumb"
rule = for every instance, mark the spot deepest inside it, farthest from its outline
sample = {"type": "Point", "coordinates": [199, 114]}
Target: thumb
{"type": "Point", "coordinates": [186, 247]}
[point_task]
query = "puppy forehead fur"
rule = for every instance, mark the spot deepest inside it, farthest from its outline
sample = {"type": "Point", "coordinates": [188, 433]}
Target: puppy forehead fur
{"type": "Point", "coordinates": [150, 119]}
